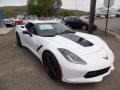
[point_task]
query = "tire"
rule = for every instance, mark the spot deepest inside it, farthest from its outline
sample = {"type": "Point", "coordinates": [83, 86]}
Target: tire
{"type": "Point", "coordinates": [94, 28]}
{"type": "Point", "coordinates": [18, 40]}
{"type": "Point", "coordinates": [7, 25]}
{"type": "Point", "coordinates": [117, 15]}
{"type": "Point", "coordinates": [51, 66]}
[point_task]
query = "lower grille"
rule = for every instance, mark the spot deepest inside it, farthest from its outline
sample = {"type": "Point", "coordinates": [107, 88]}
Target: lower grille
{"type": "Point", "coordinates": [96, 73]}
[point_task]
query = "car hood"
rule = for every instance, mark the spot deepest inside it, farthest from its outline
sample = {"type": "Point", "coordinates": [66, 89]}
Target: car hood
{"type": "Point", "coordinates": [79, 43]}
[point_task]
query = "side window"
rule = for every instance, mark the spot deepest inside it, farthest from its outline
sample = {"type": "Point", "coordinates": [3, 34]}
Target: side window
{"type": "Point", "coordinates": [71, 19]}
{"type": "Point", "coordinates": [30, 27]}
{"type": "Point", "coordinates": [77, 20]}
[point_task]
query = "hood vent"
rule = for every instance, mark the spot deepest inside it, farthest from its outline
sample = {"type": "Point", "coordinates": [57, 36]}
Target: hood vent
{"type": "Point", "coordinates": [77, 39]}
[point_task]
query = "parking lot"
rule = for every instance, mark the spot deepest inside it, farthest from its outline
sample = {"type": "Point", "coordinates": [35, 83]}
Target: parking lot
{"type": "Point", "coordinates": [21, 70]}
{"type": "Point", "coordinates": [113, 25]}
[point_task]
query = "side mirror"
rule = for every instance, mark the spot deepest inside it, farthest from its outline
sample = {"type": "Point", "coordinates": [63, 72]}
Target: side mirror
{"type": "Point", "coordinates": [22, 26]}
{"type": "Point", "coordinates": [26, 32]}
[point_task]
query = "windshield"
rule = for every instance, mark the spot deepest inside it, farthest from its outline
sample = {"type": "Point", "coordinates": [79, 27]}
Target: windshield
{"type": "Point", "coordinates": [52, 29]}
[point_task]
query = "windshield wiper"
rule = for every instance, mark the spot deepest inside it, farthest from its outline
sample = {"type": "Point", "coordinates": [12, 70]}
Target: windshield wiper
{"type": "Point", "coordinates": [64, 32]}
{"type": "Point", "coordinates": [52, 35]}
{"type": "Point", "coordinates": [67, 31]}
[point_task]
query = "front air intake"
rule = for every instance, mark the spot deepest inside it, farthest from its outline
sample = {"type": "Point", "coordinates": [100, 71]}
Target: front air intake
{"type": "Point", "coordinates": [96, 73]}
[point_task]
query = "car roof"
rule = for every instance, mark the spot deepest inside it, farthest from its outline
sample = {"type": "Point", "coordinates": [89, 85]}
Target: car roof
{"type": "Point", "coordinates": [42, 21]}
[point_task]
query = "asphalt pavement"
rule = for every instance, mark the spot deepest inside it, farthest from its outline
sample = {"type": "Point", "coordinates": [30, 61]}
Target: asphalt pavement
{"type": "Point", "coordinates": [113, 25]}
{"type": "Point", "coordinates": [21, 70]}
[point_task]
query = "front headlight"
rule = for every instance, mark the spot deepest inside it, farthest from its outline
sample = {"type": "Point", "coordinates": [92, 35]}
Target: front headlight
{"type": "Point", "coordinates": [71, 57]}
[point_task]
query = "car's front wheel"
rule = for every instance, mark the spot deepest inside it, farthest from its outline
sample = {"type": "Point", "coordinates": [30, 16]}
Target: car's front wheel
{"type": "Point", "coordinates": [18, 39]}
{"type": "Point", "coordinates": [117, 15]}
{"type": "Point", "coordinates": [52, 66]}
{"type": "Point", "coordinates": [8, 25]}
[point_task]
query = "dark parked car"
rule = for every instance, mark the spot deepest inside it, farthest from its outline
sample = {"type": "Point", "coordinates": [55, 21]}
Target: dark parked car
{"type": "Point", "coordinates": [9, 22]}
{"type": "Point", "coordinates": [77, 23]}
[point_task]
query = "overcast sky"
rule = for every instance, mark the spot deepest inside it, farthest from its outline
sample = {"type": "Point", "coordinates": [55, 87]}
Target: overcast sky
{"type": "Point", "coordinates": [68, 4]}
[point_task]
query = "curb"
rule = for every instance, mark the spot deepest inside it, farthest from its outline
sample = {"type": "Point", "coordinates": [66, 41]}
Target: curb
{"type": "Point", "coordinates": [4, 31]}
{"type": "Point", "coordinates": [112, 33]}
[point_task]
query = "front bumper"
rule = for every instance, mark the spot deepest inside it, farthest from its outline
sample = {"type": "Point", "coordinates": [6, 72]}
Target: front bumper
{"type": "Point", "coordinates": [78, 76]}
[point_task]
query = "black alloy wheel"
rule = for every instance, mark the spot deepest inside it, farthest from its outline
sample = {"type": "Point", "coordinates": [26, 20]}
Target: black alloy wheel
{"type": "Point", "coordinates": [18, 39]}
{"type": "Point", "coordinates": [52, 66]}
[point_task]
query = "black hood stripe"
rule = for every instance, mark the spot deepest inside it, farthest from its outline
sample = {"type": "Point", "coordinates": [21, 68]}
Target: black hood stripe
{"type": "Point", "coordinates": [77, 39]}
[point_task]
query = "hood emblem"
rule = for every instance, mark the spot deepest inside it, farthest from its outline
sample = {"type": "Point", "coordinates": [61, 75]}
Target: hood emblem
{"type": "Point", "coordinates": [106, 57]}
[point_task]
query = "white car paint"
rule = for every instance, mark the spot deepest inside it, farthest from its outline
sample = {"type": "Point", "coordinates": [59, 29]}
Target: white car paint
{"type": "Point", "coordinates": [102, 12]}
{"type": "Point", "coordinates": [72, 73]}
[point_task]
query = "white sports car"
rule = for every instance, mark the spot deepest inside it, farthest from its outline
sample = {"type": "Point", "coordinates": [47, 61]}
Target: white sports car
{"type": "Point", "coordinates": [67, 56]}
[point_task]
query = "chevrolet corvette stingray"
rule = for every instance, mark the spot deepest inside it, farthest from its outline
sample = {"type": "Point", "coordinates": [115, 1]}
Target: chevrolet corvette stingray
{"type": "Point", "coordinates": [67, 56]}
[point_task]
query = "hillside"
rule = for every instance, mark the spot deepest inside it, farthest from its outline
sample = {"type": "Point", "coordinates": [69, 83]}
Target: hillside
{"type": "Point", "coordinates": [67, 12]}
{"type": "Point", "coordinates": [12, 11]}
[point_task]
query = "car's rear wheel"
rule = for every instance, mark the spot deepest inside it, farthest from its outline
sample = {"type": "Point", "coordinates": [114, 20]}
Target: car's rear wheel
{"type": "Point", "coordinates": [18, 39]}
{"type": "Point", "coordinates": [117, 15]}
{"type": "Point", "coordinates": [52, 66]}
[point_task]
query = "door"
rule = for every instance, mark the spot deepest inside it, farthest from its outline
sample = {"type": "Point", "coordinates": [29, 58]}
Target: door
{"type": "Point", "coordinates": [31, 40]}
{"type": "Point", "coordinates": [78, 23]}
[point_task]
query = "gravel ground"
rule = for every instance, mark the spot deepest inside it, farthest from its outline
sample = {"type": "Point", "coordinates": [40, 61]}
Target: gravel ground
{"type": "Point", "coordinates": [21, 70]}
